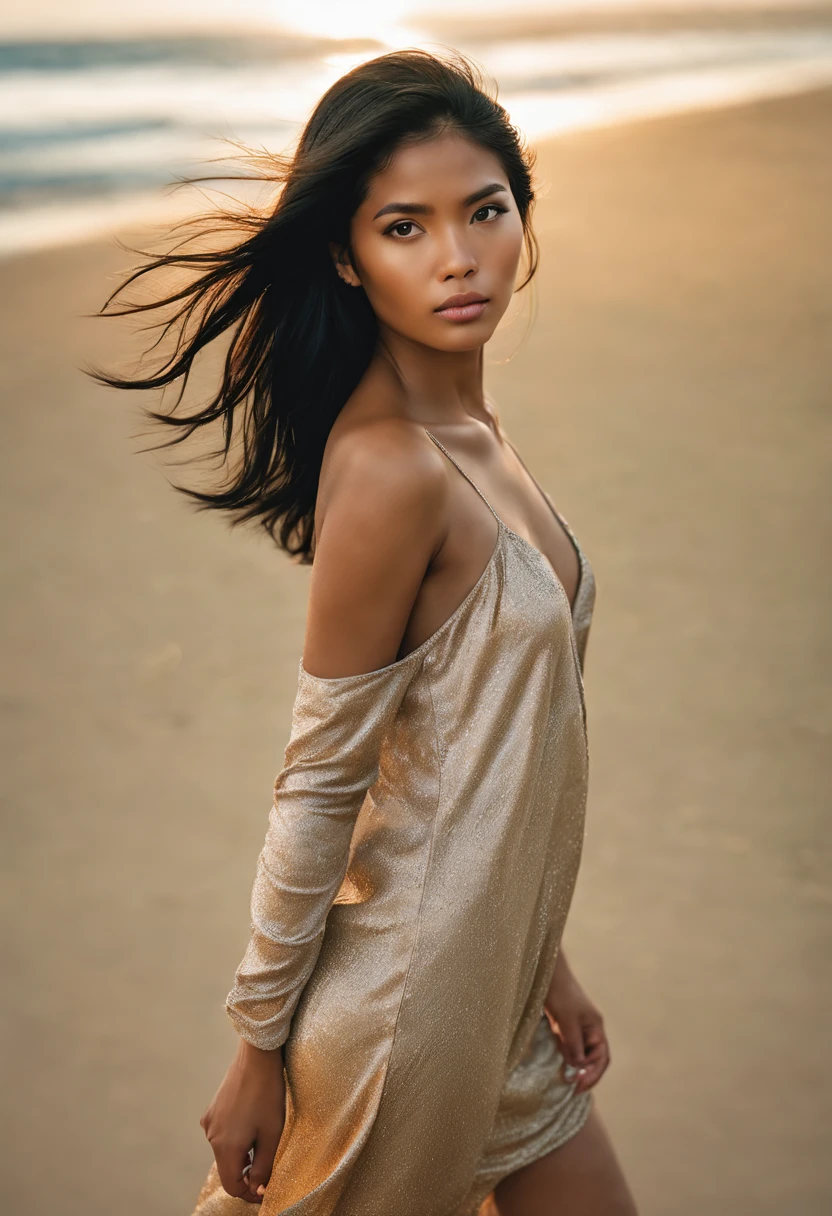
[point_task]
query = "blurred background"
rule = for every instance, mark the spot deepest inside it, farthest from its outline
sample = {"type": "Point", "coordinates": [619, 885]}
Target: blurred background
{"type": "Point", "coordinates": [667, 378]}
{"type": "Point", "coordinates": [103, 104]}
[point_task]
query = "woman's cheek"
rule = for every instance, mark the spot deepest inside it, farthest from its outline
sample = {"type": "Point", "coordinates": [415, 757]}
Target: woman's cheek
{"type": "Point", "coordinates": [509, 254]}
{"type": "Point", "coordinates": [393, 293]}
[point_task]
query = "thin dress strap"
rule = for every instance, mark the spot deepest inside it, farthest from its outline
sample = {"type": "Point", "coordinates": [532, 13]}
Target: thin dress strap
{"type": "Point", "coordinates": [465, 475]}
{"type": "Point", "coordinates": [555, 512]}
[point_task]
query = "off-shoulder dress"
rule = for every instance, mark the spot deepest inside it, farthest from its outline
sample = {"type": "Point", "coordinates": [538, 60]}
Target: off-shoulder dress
{"type": "Point", "coordinates": [421, 854]}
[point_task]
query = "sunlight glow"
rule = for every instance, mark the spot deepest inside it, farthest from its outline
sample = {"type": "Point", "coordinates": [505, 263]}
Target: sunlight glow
{"type": "Point", "coordinates": [345, 61]}
{"type": "Point", "coordinates": [379, 19]}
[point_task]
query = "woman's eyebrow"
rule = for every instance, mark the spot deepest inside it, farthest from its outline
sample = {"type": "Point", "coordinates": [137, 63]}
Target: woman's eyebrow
{"type": "Point", "coordinates": [424, 209]}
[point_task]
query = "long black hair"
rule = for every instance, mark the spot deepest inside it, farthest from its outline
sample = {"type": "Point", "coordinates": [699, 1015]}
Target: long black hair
{"type": "Point", "coordinates": [300, 339]}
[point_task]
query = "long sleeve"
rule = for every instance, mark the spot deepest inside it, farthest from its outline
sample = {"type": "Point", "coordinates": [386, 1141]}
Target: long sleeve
{"type": "Point", "coordinates": [330, 761]}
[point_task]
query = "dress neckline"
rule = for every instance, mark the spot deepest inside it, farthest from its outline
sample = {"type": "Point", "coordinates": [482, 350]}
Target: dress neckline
{"type": "Point", "coordinates": [516, 535]}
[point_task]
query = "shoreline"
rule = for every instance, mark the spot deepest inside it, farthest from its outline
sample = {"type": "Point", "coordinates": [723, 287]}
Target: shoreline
{"type": "Point", "coordinates": [63, 224]}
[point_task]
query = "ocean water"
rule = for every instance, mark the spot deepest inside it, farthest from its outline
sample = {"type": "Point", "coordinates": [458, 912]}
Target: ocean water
{"type": "Point", "coordinates": [96, 133]}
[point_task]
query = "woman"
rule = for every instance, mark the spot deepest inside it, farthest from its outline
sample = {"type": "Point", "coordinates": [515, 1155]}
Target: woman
{"type": "Point", "coordinates": [412, 1040]}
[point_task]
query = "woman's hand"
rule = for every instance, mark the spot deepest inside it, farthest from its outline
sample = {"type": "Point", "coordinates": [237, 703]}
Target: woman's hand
{"type": "Point", "coordinates": [247, 1111]}
{"type": "Point", "coordinates": [580, 1027]}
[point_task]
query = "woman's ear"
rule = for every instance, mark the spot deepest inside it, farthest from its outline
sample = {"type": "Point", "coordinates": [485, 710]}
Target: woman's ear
{"type": "Point", "coordinates": [343, 265]}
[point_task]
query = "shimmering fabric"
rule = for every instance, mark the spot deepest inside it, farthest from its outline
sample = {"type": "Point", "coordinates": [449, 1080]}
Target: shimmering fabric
{"type": "Point", "coordinates": [420, 861]}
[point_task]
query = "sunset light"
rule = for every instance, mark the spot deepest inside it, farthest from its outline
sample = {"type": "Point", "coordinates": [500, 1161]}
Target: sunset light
{"type": "Point", "coordinates": [380, 19]}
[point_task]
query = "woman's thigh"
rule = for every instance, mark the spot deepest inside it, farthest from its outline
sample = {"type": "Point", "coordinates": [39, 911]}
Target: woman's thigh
{"type": "Point", "coordinates": [582, 1177]}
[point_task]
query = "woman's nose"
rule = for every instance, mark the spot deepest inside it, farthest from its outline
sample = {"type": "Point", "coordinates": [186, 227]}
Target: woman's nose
{"type": "Point", "coordinates": [457, 257]}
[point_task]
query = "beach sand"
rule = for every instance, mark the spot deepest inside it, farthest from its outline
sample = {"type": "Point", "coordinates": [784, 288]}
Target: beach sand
{"type": "Point", "coordinates": [673, 396]}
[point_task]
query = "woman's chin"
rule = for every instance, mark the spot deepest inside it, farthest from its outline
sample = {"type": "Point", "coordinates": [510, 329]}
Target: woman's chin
{"type": "Point", "coordinates": [462, 337]}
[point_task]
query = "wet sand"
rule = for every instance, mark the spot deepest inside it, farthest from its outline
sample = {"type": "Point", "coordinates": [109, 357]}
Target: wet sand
{"type": "Point", "coordinates": [674, 398]}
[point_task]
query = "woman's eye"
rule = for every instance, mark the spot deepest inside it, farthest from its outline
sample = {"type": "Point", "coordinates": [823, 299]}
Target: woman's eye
{"type": "Point", "coordinates": [490, 207]}
{"type": "Point", "coordinates": [405, 228]}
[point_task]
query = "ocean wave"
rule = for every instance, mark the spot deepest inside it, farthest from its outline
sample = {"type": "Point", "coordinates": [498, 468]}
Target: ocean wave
{"type": "Point", "coordinates": [97, 123]}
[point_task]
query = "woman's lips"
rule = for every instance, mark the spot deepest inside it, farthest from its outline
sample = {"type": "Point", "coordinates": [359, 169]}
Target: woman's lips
{"type": "Point", "coordinates": [462, 312]}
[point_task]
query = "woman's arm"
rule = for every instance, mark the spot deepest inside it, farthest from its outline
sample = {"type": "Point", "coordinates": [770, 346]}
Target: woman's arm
{"type": "Point", "coordinates": [378, 527]}
{"type": "Point", "coordinates": [379, 522]}
{"type": "Point", "coordinates": [330, 762]}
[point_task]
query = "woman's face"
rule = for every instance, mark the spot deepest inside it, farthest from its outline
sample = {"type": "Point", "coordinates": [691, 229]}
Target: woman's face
{"type": "Point", "coordinates": [439, 221]}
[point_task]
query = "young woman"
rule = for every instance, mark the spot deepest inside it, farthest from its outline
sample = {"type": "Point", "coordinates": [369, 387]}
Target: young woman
{"type": "Point", "coordinates": [412, 1039]}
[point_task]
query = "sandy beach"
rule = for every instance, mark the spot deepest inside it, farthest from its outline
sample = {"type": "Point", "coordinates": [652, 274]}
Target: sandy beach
{"type": "Point", "coordinates": [673, 396]}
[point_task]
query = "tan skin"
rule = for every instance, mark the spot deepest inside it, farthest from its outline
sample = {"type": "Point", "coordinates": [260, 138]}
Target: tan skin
{"type": "Point", "coordinates": [401, 538]}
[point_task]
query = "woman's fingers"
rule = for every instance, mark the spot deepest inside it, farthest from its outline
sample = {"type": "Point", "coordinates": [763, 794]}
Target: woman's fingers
{"type": "Point", "coordinates": [231, 1160]}
{"type": "Point", "coordinates": [596, 1056]}
{"type": "Point", "coordinates": [572, 1041]}
{"type": "Point", "coordinates": [264, 1153]}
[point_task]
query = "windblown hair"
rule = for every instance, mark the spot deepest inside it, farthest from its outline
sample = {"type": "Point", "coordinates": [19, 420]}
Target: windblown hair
{"type": "Point", "coordinates": [300, 339]}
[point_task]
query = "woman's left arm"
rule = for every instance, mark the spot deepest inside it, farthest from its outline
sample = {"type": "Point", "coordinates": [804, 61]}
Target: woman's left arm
{"type": "Point", "coordinates": [579, 1029]}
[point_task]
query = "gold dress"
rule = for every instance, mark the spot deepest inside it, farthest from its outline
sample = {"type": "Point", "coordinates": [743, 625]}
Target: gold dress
{"type": "Point", "coordinates": [420, 860]}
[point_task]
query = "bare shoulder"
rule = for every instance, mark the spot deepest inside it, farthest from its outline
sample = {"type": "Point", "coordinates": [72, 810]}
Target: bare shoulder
{"type": "Point", "coordinates": [380, 518]}
{"type": "Point", "coordinates": [373, 465]}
